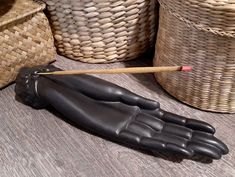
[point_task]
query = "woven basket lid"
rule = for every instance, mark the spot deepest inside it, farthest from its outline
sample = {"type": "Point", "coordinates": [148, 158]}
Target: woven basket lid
{"type": "Point", "coordinates": [14, 10]}
{"type": "Point", "coordinates": [216, 16]}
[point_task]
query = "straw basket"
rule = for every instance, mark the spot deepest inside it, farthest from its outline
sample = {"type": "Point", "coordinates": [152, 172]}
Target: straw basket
{"type": "Point", "coordinates": [103, 31]}
{"type": "Point", "coordinates": [200, 34]}
{"type": "Point", "coordinates": [25, 38]}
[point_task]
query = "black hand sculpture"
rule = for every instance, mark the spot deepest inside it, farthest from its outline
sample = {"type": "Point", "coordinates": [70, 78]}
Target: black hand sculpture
{"type": "Point", "coordinates": [117, 114]}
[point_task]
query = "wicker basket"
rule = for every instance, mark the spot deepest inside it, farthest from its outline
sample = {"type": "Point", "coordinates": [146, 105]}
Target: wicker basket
{"type": "Point", "coordinates": [201, 34]}
{"type": "Point", "coordinates": [25, 38]}
{"type": "Point", "coordinates": [103, 31]}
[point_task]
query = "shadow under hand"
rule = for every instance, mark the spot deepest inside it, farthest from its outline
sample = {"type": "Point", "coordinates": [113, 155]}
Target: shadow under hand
{"type": "Point", "coordinates": [163, 155]}
{"type": "Point", "coordinates": [5, 6]}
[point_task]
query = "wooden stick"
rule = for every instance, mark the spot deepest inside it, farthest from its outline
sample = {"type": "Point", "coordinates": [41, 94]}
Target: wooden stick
{"type": "Point", "coordinates": [135, 70]}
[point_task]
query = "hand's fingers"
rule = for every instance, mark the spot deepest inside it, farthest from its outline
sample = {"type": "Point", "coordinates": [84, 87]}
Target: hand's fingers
{"type": "Point", "coordinates": [129, 136]}
{"type": "Point", "coordinates": [147, 126]}
{"type": "Point", "coordinates": [163, 146]}
{"type": "Point", "coordinates": [151, 121]}
{"type": "Point", "coordinates": [103, 90]}
{"type": "Point", "coordinates": [210, 139]}
{"type": "Point", "coordinates": [146, 131]}
{"type": "Point", "coordinates": [140, 129]}
{"type": "Point", "coordinates": [150, 136]}
{"type": "Point", "coordinates": [205, 150]}
{"type": "Point", "coordinates": [180, 120]}
{"type": "Point", "coordinates": [154, 144]}
{"type": "Point", "coordinates": [159, 125]}
{"type": "Point", "coordinates": [130, 98]}
{"type": "Point", "coordinates": [145, 143]}
{"type": "Point", "coordinates": [190, 123]}
{"type": "Point", "coordinates": [199, 125]}
{"type": "Point", "coordinates": [176, 138]}
{"type": "Point", "coordinates": [171, 138]}
{"type": "Point", "coordinates": [177, 149]}
{"type": "Point", "coordinates": [177, 130]}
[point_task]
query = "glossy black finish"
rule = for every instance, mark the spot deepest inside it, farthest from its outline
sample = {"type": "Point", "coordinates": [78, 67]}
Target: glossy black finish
{"type": "Point", "coordinates": [117, 114]}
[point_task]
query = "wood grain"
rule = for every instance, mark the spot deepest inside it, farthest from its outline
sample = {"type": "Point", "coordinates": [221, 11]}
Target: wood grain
{"type": "Point", "coordinates": [36, 143]}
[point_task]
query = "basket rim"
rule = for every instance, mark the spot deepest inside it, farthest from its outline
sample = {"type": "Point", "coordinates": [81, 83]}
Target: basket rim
{"type": "Point", "coordinates": [164, 4]}
{"type": "Point", "coordinates": [29, 7]}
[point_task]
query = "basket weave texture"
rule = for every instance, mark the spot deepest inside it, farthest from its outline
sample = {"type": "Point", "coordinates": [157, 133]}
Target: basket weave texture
{"type": "Point", "coordinates": [25, 38]}
{"type": "Point", "coordinates": [103, 31]}
{"type": "Point", "coordinates": [200, 34]}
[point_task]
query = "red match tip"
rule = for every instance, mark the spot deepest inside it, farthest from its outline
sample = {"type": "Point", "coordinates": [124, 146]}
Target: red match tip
{"type": "Point", "coordinates": [186, 68]}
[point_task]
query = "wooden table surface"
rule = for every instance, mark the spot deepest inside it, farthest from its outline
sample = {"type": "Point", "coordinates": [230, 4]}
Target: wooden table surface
{"type": "Point", "coordinates": [37, 143]}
